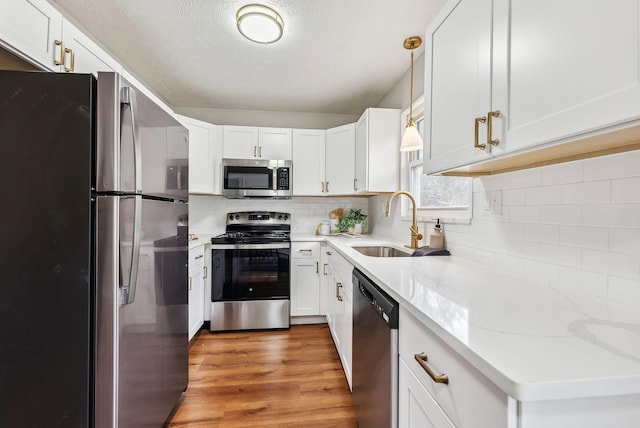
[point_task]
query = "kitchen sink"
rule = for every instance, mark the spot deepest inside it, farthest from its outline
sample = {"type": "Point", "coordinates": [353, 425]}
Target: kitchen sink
{"type": "Point", "coordinates": [381, 251]}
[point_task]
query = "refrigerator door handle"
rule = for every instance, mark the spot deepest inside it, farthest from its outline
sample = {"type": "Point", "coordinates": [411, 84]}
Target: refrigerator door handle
{"type": "Point", "coordinates": [128, 98]}
{"type": "Point", "coordinates": [129, 291]}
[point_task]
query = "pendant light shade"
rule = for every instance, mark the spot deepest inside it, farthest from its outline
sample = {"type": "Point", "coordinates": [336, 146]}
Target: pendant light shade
{"type": "Point", "coordinates": [259, 23]}
{"type": "Point", "coordinates": [411, 139]}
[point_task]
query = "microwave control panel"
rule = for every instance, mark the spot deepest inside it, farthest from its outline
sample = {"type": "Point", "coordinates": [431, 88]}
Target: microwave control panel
{"type": "Point", "coordinates": [283, 178]}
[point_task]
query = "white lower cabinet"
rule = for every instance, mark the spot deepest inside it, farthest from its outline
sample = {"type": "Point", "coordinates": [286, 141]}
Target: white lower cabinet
{"type": "Point", "coordinates": [417, 408]}
{"type": "Point", "coordinates": [469, 400]}
{"type": "Point", "coordinates": [338, 289]}
{"type": "Point", "coordinates": [305, 278]}
{"type": "Point", "coordinates": [196, 289]}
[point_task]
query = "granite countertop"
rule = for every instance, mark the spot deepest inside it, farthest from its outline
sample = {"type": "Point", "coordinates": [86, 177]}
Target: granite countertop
{"type": "Point", "coordinates": [535, 341]}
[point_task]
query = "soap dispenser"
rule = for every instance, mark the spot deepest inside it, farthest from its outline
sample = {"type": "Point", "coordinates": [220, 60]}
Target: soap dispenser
{"type": "Point", "coordinates": [436, 239]}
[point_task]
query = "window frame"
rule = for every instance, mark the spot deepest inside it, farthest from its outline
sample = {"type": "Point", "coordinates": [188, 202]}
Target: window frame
{"type": "Point", "coordinates": [409, 161]}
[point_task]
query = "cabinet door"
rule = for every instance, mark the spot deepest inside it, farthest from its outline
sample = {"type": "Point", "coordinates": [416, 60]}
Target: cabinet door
{"type": "Point", "coordinates": [85, 56]}
{"type": "Point", "coordinates": [31, 28]}
{"type": "Point", "coordinates": [205, 152]}
{"type": "Point", "coordinates": [340, 159]}
{"type": "Point", "coordinates": [196, 290]}
{"type": "Point", "coordinates": [240, 142]}
{"type": "Point", "coordinates": [564, 68]}
{"type": "Point", "coordinates": [416, 407]}
{"type": "Point", "coordinates": [458, 83]}
{"type": "Point", "coordinates": [305, 287]}
{"type": "Point", "coordinates": [274, 143]}
{"type": "Point", "coordinates": [361, 154]}
{"type": "Point", "coordinates": [308, 162]}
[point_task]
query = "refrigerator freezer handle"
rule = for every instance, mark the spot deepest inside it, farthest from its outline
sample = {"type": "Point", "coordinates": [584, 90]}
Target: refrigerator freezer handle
{"type": "Point", "coordinates": [129, 291]}
{"type": "Point", "coordinates": [128, 97]}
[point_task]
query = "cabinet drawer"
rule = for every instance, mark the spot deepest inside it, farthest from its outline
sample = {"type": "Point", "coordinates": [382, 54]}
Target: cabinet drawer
{"type": "Point", "coordinates": [469, 396]}
{"type": "Point", "coordinates": [305, 250]}
{"type": "Point", "coordinates": [196, 257]}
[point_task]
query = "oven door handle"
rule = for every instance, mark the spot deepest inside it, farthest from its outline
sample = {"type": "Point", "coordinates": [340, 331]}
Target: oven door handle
{"type": "Point", "coordinates": [273, 246]}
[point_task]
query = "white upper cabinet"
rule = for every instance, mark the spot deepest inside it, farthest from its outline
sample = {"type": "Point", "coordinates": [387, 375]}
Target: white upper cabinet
{"type": "Point", "coordinates": [82, 55]}
{"type": "Point", "coordinates": [205, 153]}
{"type": "Point", "coordinates": [340, 160]}
{"type": "Point", "coordinates": [308, 162]}
{"type": "Point", "coordinates": [457, 83]}
{"type": "Point", "coordinates": [274, 143]}
{"type": "Point", "coordinates": [508, 76]}
{"type": "Point", "coordinates": [377, 155]}
{"type": "Point", "coordinates": [563, 68]}
{"type": "Point", "coordinates": [37, 31]}
{"type": "Point", "coordinates": [31, 28]}
{"type": "Point", "coordinates": [249, 142]}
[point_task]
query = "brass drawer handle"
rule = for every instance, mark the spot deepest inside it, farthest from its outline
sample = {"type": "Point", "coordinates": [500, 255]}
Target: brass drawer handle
{"type": "Point", "coordinates": [338, 287]}
{"type": "Point", "coordinates": [490, 139]}
{"type": "Point", "coordinates": [422, 360]}
{"type": "Point", "coordinates": [476, 137]}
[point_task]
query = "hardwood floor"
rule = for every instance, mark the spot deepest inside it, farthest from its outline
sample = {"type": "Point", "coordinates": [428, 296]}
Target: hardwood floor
{"type": "Point", "coordinates": [282, 378]}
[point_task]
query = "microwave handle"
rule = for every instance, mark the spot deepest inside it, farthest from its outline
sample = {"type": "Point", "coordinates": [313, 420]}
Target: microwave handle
{"type": "Point", "coordinates": [275, 178]}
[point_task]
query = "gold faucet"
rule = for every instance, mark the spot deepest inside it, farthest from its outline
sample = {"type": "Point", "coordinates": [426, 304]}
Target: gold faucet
{"type": "Point", "coordinates": [415, 234]}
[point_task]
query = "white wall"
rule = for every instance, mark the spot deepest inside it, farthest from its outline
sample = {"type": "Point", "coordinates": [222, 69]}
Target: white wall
{"type": "Point", "coordinates": [207, 213]}
{"type": "Point", "coordinates": [574, 224]}
{"type": "Point", "coordinates": [398, 96]}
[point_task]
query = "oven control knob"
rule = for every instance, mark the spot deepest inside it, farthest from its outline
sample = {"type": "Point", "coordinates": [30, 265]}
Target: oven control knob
{"type": "Point", "coordinates": [286, 217]}
{"type": "Point", "coordinates": [280, 217]}
{"type": "Point", "coordinates": [237, 217]}
{"type": "Point", "coordinates": [231, 217]}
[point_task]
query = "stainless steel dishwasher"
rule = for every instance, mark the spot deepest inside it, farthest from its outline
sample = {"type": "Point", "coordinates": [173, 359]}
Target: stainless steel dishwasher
{"type": "Point", "coordinates": [375, 355]}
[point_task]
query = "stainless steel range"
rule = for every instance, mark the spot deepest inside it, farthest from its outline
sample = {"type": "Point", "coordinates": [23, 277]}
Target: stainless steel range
{"type": "Point", "coordinates": [250, 272]}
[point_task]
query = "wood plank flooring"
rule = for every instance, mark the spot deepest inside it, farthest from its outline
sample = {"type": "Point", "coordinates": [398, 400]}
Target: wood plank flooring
{"type": "Point", "coordinates": [281, 378]}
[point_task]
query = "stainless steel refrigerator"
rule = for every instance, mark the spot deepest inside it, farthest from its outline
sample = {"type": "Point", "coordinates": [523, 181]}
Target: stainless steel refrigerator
{"type": "Point", "coordinates": [93, 253]}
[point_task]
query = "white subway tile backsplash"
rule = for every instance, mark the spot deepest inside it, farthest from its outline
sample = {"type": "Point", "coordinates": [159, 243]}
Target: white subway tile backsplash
{"type": "Point", "coordinates": [513, 197]}
{"type": "Point", "coordinates": [525, 214]}
{"type": "Point", "coordinates": [546, 195]}
{"type": "Point", "coordinates": [563, 173]}
{"type": "Point", "coordinates": [526, 178]}
{"type": "Point", "coordinates": [626, 190]}
{"type": "Point", "coordinates": [561, 214]}
{"type": "Point", "coordinates": [625, 241]}
{"type": "Point", "coordinates": [620, 165]}
{"type": "Point", "coordinates": [585, 237]}
{"type": "Point", "coordinates": [611, 215]}
{"type": "Point", "coordinates": [547, 233]}
{"type": "Point", "coordinates": [492, 182]}
{"type": "Point", "coordinates": [540, 271]}
{"type": "Point", "coordinates": [564, 256]}
{"type": "Point", "coordinates": [596, 192]}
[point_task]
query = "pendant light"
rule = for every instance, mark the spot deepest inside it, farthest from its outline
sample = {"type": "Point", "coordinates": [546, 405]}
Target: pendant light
{"type": "Point", "coordinates": [259, 23]}
{"type": "Point", "coordinates": [411, 139]}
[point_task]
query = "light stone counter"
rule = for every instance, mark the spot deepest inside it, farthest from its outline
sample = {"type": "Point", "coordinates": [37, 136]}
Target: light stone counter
{"type": "Point", "coordinates": [534, 341]}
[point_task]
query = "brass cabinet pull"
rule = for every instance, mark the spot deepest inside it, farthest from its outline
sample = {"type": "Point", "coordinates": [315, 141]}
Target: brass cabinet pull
{"type": "Point", "coordinates": [259, 151]}
{"type": "Point", "coordinates": [306, 250]}
{"type": "Point", "coordinates": [490, 139]}
{"type": "Point", "coordinates": [422, 360]}
{"type": "Point", "coordinates": [476, 143]}
{"type": "Point", "coordinates": [324, 269]}
{"type": "Point", "coordinates": [327, 186]}
{"type": "Point", "coordinates": [255, 151]}
{"type": "Point", "coordinates": [72, 61]}
{"type": "Point", "coordinates": [355, 184]}
{"type": "Point", "coordinates": [317, 267]}
{"type": "Point", "coordinates": [59, 61]}
{"type": "Point", "coordinates": [206, 272]}
{"type": "Point", "coordinates": [322, 187]}
{"type": "Point", "coordinates": [338, 296]}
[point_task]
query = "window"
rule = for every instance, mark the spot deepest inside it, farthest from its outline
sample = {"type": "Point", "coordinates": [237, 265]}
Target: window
{"type": "Point", "coordinates": [437, 196]}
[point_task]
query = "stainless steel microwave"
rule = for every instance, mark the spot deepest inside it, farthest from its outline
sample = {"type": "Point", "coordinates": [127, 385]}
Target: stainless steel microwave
{"type": "Point", "coordinates": [256, 178]}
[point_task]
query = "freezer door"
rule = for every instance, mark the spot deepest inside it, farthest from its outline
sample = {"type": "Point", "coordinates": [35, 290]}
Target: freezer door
{"type": "Point", "coordinates": [149, 345]}
{"type": "Point", "coordinates": [140, 148]}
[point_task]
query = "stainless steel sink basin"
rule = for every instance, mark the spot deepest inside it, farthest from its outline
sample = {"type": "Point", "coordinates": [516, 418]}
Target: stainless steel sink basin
{"type": "Point", "coordinates": [380, 251]}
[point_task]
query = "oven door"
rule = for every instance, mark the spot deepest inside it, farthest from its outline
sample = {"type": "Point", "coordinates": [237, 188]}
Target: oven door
{"type": "Point", "coordinates": [250, 272]}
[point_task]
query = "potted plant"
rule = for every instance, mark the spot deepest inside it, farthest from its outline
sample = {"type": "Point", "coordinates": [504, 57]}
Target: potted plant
{"type": "Point", "coordinates": [352, 221]}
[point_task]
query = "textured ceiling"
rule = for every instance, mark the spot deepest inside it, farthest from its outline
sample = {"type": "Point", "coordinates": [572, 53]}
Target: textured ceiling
{"type": "Point", "coordinates": [336, 56]}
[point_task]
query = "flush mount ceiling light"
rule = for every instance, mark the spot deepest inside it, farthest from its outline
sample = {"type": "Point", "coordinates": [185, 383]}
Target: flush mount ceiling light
{"type": "Point", "coordinates": [259, 23]}
{"type": "Point", "coordinates": [411, 139]}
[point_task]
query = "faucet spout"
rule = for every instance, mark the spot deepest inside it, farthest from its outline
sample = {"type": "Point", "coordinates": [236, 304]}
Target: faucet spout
{"type": "Point", "coordinates": [415, 233]}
